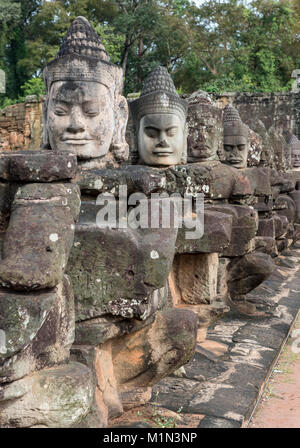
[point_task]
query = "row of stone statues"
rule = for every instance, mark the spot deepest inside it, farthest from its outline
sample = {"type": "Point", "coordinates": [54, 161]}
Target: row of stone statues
{"type": "Point", "coordinates": [92, 316]}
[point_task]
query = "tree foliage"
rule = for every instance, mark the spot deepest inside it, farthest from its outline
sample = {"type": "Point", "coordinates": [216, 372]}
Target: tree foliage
{"type": "Point", "coordinates": [217, 46]}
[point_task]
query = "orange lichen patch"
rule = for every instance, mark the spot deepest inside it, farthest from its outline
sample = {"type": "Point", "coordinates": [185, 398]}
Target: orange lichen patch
{"type": "Point", "coordinates": [107, 396]}
{"type": "Point", "coordinates": [128, 356]}
{"type": "Point", "coordinates": [175, 292]}
{"type": "Point", "coordinates": [102, 408]}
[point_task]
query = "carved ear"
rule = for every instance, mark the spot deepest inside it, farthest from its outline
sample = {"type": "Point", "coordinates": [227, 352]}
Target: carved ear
{"type": "Point", "coordinates": [119, 146]}
{"type": "Point", "coordinates": [45, 142]}
{"type": "Point", "coordinates": [184, 149]}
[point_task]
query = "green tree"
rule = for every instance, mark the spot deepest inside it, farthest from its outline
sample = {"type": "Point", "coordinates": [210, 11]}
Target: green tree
{"type": "Point", "coordinates": [10, 13]}
{"type": "Point", "coordinates": [240, 45]}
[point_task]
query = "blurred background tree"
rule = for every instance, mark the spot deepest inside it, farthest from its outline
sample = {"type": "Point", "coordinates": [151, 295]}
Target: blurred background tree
{"type": "Point", "coordinates": [229, 45]}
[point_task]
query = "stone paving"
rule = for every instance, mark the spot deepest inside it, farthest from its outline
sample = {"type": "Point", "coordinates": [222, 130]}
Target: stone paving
{"type": "Point", "coordinates": [220, 386]}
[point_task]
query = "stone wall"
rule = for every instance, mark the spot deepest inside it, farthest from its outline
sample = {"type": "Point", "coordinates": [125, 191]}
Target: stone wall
{"type": "Point", "coordinates": [21, 125]}
{"type": "Point", "coordinates": [273, 109]}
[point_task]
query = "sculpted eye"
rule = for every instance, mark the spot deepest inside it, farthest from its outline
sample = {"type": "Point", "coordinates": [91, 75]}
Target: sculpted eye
{"type": "Point", "coordinates": [151, 132]}
{"type": "Point", "coordinates": [171, 132]}
{"type": "Point", "coordinates": [60, 111]}
{"type": "Point", "coordinates": [92, 113]}
{"type": "Point", "coordinates": [91, 108]}
{"type": "Point", "coordinates": [227, 147]}
{"type": "Point", "coordinates": [241, 147]}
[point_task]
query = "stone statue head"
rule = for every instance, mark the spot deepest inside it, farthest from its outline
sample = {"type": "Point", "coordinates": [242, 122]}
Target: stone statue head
{"type": "Point", "coordinates": [84, 111]}
{"type": "Point", "coordinates": [205, 128]}
{"type": "Point", "coordinates": [236, 138]}
{"type": "Point", "coordinates": [295, 149]}
{"type": "Point", "coordinates": [159, 117]}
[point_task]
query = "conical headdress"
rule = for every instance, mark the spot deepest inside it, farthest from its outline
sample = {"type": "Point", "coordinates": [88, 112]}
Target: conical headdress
{"type": "Point", "coordinates": [233, 124]}
{"type": "Point", "coordinates": [199, 97]}
{"type": "Point", "coordinates": [82, 57]}
{"type": "Point", "coordinates": [158, 96]}
{"type": "Point", "coordinates": [294, 143]}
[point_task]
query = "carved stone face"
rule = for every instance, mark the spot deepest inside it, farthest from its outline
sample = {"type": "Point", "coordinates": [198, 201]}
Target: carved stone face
{"type": "Point", "coordinates": [236, 150]}
{"type": "Point", "coordinates": [80, 118]}
{"type": "Point", "coordinates": [204, 135]}
{"type": "Point", "coordinates": [296, 158]}
{"type": "Point", "coordinates": [161, 139]}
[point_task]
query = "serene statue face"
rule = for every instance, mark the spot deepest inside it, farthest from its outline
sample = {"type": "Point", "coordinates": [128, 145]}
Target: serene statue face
{"type": "Point", "coordinates": [80, 118]}
{"type": "Point", "coordinates": [296, 158]}
{"type": "Point", "coordinates": [203, 138]}
{"type": "Point", "coordinates": [236, 150]}
{"type": "Point", "coordinates": [161, 139]}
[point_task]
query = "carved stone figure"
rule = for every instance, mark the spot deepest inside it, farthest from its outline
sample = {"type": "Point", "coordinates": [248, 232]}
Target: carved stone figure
{"type": "Point", "coordinates": [84, 110]}
{"type": "Point", "coordinates": [160, 120]}
{"type": "Point", "coordinates": [126, 338]}
{"type": "Point", "coordinates": [295, 148]}
{"type": "Point", "coordinates": [205, 128]}
{"type": "Point", "coordinates": [236, 138]}
{"type": "Point", "coordinates": [119, 275]}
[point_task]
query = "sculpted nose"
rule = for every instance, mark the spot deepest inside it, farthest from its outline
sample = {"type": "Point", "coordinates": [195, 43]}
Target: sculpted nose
{"type": "Point", "coordinates": [163, 144]}
{"type": "Point", "coordinates": [76, 123]}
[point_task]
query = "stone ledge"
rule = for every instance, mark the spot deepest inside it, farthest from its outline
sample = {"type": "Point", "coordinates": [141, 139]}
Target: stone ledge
{"type": "Point", "coordinates": [222, 383]}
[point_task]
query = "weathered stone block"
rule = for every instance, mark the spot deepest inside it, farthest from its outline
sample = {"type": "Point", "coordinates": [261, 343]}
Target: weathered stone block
{"type": "Point", "coordinates": [137, 178]}
{"type": "Point", "coordinates": [284, 205]}
{"type": "Point", "coordinates": [266, 228]}
{"type": "Point", "coordinates": [106, 398]}
{"type": "Point", "coordinates": [259, 178]}
{"type": "Point", "coordinates": [35, 254]}
{"type": "Point", "coordinates": [264, 204]}
{"type": "Point", "coordinates": [37, 330]}
{"type": "Point", "coordinates": [216, 236]}
{"type": "Point", "coordinates": [281, 225]}
{"type": "Point", "coordinates": [295, 195]}
{"type": "Point", "coordinates": [244, 227]}
{"type": "Point", "coordinates": [266, 245]}
{"type": "Point", "coordinates": [222, 288]}
{"type": "Point", "coordinates": [247, 272]}
{"type": "Point", "coordinates": [37, 166]}
{"type": "Point", "coordinates": [145, 357]}
{"type": "Point", "coordinates": [21, 317]}
{"type": "Point", "coordinates": [100, 329]}
{"type": "Point", "coordinates": [197, 277]}
{"type": "Point", "coordinates": [114, 267]}
{"type": "Point", "coordinates": [59, 397]}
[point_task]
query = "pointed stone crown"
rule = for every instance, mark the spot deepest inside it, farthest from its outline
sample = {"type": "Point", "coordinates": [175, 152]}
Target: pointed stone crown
{"type": "Point", "coordinates": [200, 97]}
{"type": "Point", "coordinates": [295, 143]}
{"type": "Point", "coordinates": [158, 96]}
{"type": "Point", "coordinates": [233, 124]}
{"type": "Point", "coordinates": [82, 57]}
{"type": "Point", "coordinates": [82, 39]}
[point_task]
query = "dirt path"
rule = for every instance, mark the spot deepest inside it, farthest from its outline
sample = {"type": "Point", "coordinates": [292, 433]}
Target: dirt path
{"type": "Point", "coordinates": [280, 403]}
